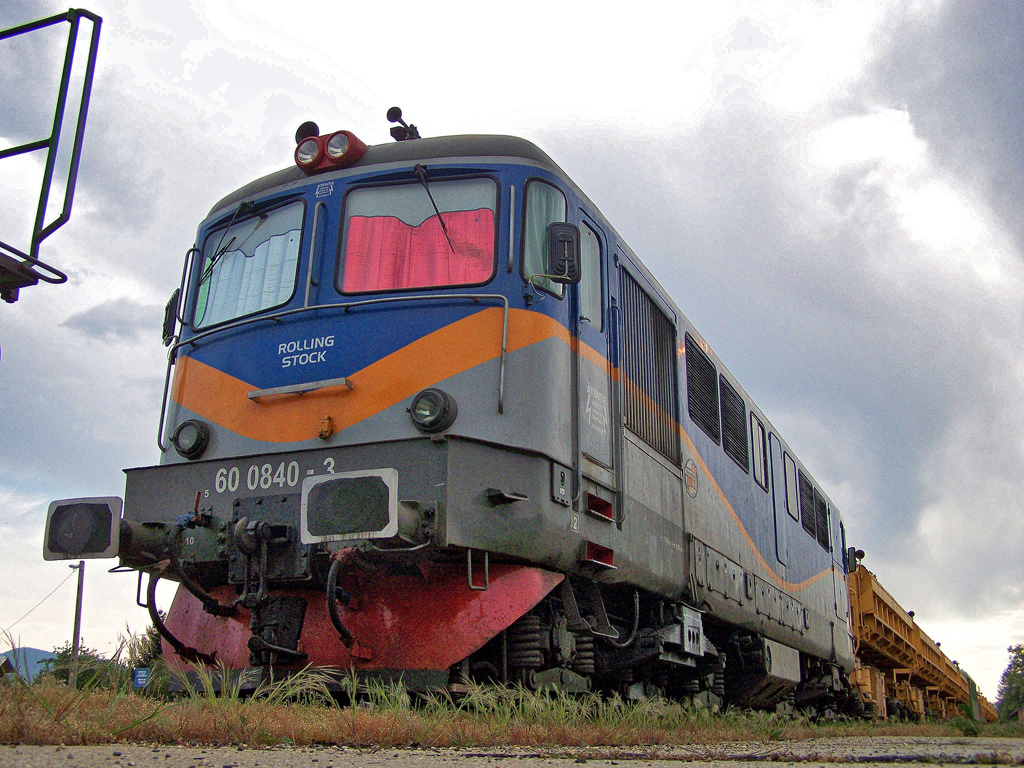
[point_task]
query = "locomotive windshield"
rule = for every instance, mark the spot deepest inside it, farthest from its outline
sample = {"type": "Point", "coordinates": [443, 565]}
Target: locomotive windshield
{"type": "Point", "coordinates": [250, 265]}
{"type": "Point", "coordinates": [394, 239]}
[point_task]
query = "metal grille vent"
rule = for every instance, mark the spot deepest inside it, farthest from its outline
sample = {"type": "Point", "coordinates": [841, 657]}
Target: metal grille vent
{"type": "Point", "coordinates": [734, 425]}
{"type": "Point", "coordinates": [821, 518]}
{"type": "Point", "coordinates": [649, 366]}
{"type": "Point", "coordinates": [806, 503]}
{"type": "Point", "coordinates": [702, 390]}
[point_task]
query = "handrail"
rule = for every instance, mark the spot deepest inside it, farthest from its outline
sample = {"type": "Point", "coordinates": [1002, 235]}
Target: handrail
{"type": "Point", "coordinates": [618, 454]}
{"type": "Point", "coordinates": [346, 307]}
{"type": "Point", "coordinates": [301, 389]}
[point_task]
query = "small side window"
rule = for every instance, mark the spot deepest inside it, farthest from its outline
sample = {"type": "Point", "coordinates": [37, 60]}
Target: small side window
{"type": "Point", "coordinates": [590, 283]}
{"type": "Point", "coordinates": [760, 445]}
{"type": "Point", "coordinates": [545, 204]}
{"type": "Point", "coordinates": [792, 497]}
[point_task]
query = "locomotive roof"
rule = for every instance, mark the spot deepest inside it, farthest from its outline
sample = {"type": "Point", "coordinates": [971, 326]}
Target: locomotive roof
{"type": "Point", "coordinates": [440, 148]}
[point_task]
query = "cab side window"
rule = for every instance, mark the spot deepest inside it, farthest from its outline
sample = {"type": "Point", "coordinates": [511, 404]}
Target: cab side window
{"type": "Point", "coordinates": [590, 280]}
{"type": "Point", "coordinates": [544, 205]}
{"type": "Point", "coordinates": [760, 445]}
{"type": "Point", "coordinates": [792, 493]}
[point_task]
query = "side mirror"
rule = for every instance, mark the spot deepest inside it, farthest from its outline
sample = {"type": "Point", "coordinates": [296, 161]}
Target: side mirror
{"type": "Point", "coordinates": [77, 529]}
{"type": "Point", "coordinates": [563, 253]}
{"type": "Point", "coordinates": [853, 555]}
{"type": "Point", "coordinates": [171, 317]}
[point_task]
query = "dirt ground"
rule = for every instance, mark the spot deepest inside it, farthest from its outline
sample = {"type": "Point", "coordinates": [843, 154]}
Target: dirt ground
{"type": "Point", "coordinates": [886, 751]}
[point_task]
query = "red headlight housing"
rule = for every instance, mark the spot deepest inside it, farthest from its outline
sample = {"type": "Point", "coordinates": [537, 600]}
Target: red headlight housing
{"type": "Point", "coordinates": [334, 150]}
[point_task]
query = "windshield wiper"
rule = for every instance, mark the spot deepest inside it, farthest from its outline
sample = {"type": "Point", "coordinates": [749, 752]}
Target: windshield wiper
{"type": "Point", "coordinates": [249, 209]}
{"type": "Point", "coordinates": [421, 174]}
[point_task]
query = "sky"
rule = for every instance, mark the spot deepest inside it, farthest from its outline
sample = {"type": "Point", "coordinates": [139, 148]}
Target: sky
{"type": "Point", "coordinates": [829, 190]}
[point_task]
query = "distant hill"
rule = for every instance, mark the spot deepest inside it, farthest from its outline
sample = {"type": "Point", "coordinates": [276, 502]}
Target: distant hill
{"type": "Point", "coordinates": [27, 662]}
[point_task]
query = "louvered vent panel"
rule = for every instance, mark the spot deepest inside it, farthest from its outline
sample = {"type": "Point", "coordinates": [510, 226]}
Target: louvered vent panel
{"type": "Point", "coordinates": [649, 366]}
{"type": "Point", "coordinates": [702, 390]}
{"type": "Point", "coordinates": [806, 503]}
{"type": "Point", "coordinates": [821, 518]}
{"type": "Point", "coordinates": [734, 425]}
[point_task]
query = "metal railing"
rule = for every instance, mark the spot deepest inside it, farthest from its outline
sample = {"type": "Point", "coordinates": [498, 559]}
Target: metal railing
{"type": "Point", "coordinates": [26, 268]}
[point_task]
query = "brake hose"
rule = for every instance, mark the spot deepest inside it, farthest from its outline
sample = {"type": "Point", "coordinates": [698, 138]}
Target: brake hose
{"type": "Point", "coordinates": [636, 624]}
{"type": "Point", "coordinates": [332, 603]}
{"type": "Point", "coordinates": [187, 653]}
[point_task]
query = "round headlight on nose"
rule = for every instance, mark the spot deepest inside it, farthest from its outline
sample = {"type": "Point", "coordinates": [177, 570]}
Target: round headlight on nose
{"type": "Point", "coordinates": [337, 145]}
{"type": "Point", "coordinates": [308, 153]}
{"type": "Point", "coordinates": [433, 410]}
{"type": "Point", "coordinates": [191, 438]}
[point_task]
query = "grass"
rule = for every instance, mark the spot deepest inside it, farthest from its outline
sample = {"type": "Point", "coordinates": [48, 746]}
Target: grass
{"type": "Point", "coordinates": [300, 711]}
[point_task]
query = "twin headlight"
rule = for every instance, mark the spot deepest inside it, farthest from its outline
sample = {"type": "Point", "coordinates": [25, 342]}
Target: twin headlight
{"type": "Point", "coordinates": [318, 153]}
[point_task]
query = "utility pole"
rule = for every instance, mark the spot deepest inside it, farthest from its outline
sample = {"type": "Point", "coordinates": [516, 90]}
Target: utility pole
{"type": "Point", "coordinates": [76, 642]}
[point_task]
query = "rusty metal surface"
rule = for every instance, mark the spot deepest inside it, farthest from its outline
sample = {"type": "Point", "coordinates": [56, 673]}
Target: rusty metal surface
{"type": "Point", "coordinates": [429, 619]}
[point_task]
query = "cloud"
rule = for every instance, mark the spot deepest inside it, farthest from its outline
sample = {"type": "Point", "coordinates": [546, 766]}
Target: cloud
{"type": "Point", "coordinates": [949, 278]}
{"type": "Point", "coordinates": [77, 407]}
{"type": "Point", "coordinates": [980, 644]}
{"type": "Point", "coordinates": [116, 319]}
{"type": "Point", "coordinates": [957, 71]}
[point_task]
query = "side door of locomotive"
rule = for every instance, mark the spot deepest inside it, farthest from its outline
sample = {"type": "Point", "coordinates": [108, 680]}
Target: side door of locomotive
{"type": "Point", "coordinates": [595, 393]}
{"type": "Point", "coordinates": [650, 473]}
{"type": "Point", "coordinates": [837, 538]}
{"type": "Point", "coordinates": [842, 636]}
{"type": "Point", "coordinates": [780, 489]}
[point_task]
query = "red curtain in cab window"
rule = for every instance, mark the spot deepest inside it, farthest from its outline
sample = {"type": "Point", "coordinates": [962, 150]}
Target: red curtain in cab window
{"type": "Point", "coordinates": [383, 253]}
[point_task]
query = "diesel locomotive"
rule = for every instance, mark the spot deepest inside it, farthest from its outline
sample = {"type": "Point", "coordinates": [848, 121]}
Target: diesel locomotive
{"type": "Point", "coordinates": [428, 418]}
